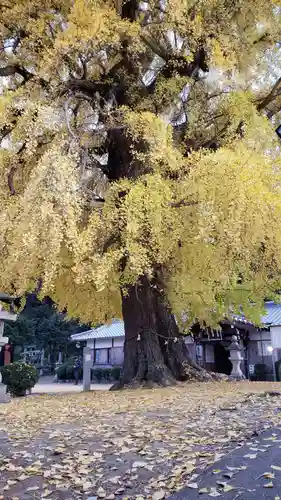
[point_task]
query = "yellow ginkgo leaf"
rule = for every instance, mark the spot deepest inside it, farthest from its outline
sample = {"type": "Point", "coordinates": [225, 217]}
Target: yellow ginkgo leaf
{"type": "Point", "coordinates": [268, 485]}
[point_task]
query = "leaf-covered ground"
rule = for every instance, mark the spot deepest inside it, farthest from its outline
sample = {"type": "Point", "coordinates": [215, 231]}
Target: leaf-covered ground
{"type": "Point", "coordinates": [126, 445]}
{"type": "Point", "coordinates": [250, 472]}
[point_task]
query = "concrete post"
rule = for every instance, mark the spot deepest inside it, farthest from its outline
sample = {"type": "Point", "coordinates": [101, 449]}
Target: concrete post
{"type": "Point", "coordinates": [273, 357]}
{"type": "Point", "coordinates": [87, 367]}
{"type": "Point", "coordinates": [42, 362]}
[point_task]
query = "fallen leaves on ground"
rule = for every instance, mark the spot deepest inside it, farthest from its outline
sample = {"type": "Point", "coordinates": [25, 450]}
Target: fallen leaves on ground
{"type": "Point", "coordinates": [128, 445]}
{"type": "Point", "coordinates": [268, 485]}
{"type": "Point", "coordinates": [268, 475]}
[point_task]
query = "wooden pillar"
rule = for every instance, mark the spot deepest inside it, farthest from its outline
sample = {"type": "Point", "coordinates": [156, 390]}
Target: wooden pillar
{"type": "Point", "coordinates": [7, 354]}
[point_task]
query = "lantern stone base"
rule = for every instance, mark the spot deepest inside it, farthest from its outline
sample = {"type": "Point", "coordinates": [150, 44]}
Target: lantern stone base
{"type": "Point", "coordinates": [4, 397]}
{"type": "Point", "coordinates": [237, 377]}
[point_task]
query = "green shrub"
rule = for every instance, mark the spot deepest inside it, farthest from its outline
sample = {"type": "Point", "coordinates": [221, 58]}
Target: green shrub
{"type": "Point", "coordinates": [261, 371]}
{"type": "Point", "coordinates": [69, 372]}
{"type": "Point", "coordinates": [63, 370]}
{"type": "Point", "coordinates": [98, 374]}
{"type": "Point", "coordinates": [66, 370]}
{"type": "Point", "coordinates": [107, 374]}
{"type": "Point", "coordinates": [116, 372]}
{"type": "Point", "coordinates": [19, 377]}
{"type": "Point", "coordinates": [278, 370]}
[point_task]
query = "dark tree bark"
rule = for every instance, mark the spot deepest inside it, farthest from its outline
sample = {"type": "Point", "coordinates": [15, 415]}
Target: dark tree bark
{"type": "Point", "coordinates": [173, 346]}
{"type": "Point", "coordinates": [143, 358]}
{"type": "Point", "coordinates": [154, 352]}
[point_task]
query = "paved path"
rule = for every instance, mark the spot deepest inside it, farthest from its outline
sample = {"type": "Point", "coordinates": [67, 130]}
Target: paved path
{"type": "Point", "coordinates": [248, 469]}
{"type": "Point", "coordinates": [46, 386]}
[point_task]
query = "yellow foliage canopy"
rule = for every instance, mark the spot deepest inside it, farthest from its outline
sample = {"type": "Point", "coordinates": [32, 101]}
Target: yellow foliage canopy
{"type": "Point", "coordinates": [135, 141]}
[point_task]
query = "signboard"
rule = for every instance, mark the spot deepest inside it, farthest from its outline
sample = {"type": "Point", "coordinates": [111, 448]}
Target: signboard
{"type": "Point", "coordinates": [251, 369]}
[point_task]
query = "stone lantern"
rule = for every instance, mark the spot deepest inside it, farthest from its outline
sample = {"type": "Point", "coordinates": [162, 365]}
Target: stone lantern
{"type": "Point", "coordinates": [236, 358]}
{"type": "Point", "coordinates": [4, 316]}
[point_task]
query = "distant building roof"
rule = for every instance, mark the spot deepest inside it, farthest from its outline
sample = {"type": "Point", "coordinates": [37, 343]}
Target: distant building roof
{"type": "Point", "coordinates": [4, 297]}
{"type": "Point", "coordinates": [6, 316]}
{"type": "Point", "coordinates": [116, 327]}
{"type": "Point", "coordinates": [109, 331]}
{"type": "Point", "coordinates": [272, 317]}
{"type": "Point", "coordinates": [273, 314]}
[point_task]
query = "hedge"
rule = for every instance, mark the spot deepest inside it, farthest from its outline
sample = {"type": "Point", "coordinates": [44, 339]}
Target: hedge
{"type": "Point", "coordinates": [19, 377]}
{"type": "Point", "coordinates": [106, 374]}
{"type": "Point", "coordinates": [66, 372]}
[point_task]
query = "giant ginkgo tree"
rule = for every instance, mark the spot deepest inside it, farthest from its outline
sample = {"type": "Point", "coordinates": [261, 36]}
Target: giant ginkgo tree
{"type": "Point", "coordinates": [140, 174]}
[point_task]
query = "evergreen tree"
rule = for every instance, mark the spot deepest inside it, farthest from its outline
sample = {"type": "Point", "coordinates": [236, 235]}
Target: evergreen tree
{"type": "Point", "coordinates": [40, 324]}
{"type": "Point", "coordinates": [140, 175]}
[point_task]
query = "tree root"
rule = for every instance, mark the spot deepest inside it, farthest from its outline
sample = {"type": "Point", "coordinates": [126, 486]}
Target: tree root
{"type": "Point", "coordinates": [192, 374]}
{"type": "Point", "coordinates": [142, 384]}
{"type": "Point", "coordinates": [196, 372]}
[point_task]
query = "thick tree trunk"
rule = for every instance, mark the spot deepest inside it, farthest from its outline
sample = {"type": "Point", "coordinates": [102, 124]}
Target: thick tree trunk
{"type": "Point", "coordinates": [154, 352]}
{"type": "Point", "coordinates": [143, 358]}
{"type": "Point", "coordinates": [174, 348]}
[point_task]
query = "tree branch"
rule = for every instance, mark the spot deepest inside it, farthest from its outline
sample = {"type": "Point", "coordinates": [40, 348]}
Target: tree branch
{"type": "Point", "coordinates": [11, 174]}
{"type": "Point", "coordinates": [12, 69]}
{"type": "Point", "coordinates": [183, 203]}
{"type": "Point", "coordinates": [11, 181]}
{"type": "Point", "coordinates": [88, 87]}
{"type": "Point", "coordinates": [275, 92]}
{"type": "Point", "coordinates": [84, 67]}
{"type": "Point", "coordinates": [67, 118]}
{"type": "Point", "coordinates": [154, 47]}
